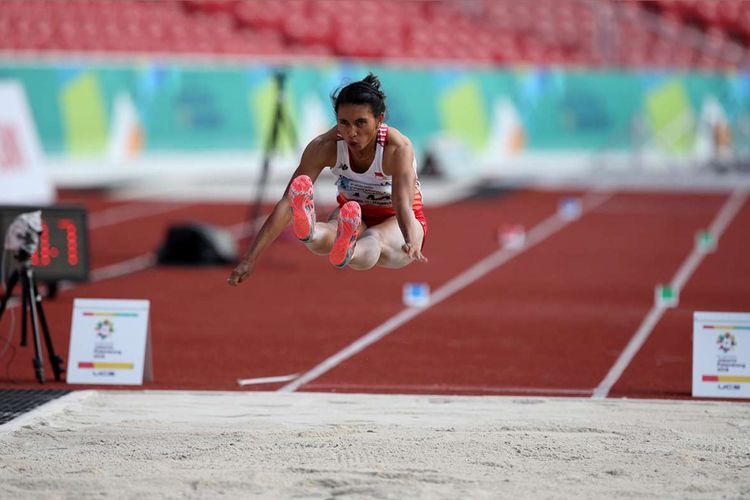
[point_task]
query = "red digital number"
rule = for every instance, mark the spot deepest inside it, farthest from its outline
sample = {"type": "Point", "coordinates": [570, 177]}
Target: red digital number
{"type": "Point", "coordinates": [71, 234]}
{"type": "Point", "coordinates": [46, 252]}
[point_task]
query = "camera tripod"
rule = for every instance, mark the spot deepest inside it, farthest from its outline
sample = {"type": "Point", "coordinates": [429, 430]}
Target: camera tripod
{"type": "Point", "coordinates": [31, 303]}
{"type": "Point", "coordinates": [280, 120]}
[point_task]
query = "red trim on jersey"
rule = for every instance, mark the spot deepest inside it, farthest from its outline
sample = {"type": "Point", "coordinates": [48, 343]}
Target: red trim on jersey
{"type": "Point", "coordinates": [381, 136]}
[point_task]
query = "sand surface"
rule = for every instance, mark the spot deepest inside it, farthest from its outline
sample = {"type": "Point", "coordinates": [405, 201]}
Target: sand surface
{"type": "Point", "coordinates": [163, 444]}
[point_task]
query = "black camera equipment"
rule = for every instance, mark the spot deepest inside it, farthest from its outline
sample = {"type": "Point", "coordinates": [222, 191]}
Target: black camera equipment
{"type": "Point", "coordinates": [23, 239]}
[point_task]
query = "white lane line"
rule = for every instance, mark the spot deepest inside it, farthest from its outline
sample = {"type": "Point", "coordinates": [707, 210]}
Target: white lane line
{"type": "Point", "coordinates": [690, 264]}
{"type": "Point", "coordinates": [145, 261]}
{"type": "Point", "coordinates": [539, 233]}
{"type": "Point", "coordinates": [117, 270]}
{"type": "Point", "coordinates": [116, 215]}
{"type": "Point", "coordinates": [139, 263]}
{"type": "Point", "coordinates": [136, 264]}
{"type": "Point", "coordinates": [128, 212]}
{"type": "Point", "coordinates": [123, 268]}
{"type": "Point", "coordinates": [111, 216]}
{"type": "Point", "coordinates": [267, 380]}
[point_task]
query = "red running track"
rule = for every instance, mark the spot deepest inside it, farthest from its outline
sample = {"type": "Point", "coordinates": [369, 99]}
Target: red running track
{"type": "Point", "coordinates": [550, 321]}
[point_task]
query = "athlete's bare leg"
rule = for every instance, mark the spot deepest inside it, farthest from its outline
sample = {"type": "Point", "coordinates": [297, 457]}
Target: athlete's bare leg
{"type": "Point", "coordinates": [322, 242]}
{"type": "Point", "coordinates": [378, 245]}
{"type": "Point", "coordinates": [325, 234]}
{"type": "Point", "coordinates": [381, 245]}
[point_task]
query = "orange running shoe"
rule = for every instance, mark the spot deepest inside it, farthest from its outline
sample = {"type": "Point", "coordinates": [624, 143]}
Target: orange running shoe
{"type": "Point", "coordinates": [303, 209]}
{"type": "Point", "coordinates": [350, 217]}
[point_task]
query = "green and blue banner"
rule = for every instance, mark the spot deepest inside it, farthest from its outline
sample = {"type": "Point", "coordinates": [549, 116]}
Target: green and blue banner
{"type": "Point", "coordinates": [182, 107]}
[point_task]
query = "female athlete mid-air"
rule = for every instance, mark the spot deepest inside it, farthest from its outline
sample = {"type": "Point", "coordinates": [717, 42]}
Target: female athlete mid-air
{"type": "Point", "coordinates": [379, 218]}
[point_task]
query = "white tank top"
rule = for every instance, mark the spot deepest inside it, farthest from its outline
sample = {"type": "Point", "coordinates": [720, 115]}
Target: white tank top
{"type": "Point", "coordinates": [372, 187]}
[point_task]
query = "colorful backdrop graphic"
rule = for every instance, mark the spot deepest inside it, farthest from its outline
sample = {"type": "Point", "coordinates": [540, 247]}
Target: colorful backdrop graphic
{"type": "Point", "coordinates": [84, 114]}
{"type": "Point", "coordinates": [191, 107]}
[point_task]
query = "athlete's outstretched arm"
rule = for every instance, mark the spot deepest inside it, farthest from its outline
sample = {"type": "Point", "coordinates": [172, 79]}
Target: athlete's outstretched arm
{"type": "Point", "coordinates": [314, 160]}
{"type": "Point", "coordinates": [404, 186]}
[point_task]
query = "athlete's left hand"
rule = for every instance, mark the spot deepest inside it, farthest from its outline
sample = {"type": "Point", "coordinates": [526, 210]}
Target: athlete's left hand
{"type": "Point", "coordinates": [414, 252]}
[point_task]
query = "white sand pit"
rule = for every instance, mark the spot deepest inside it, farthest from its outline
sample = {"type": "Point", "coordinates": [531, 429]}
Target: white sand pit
{"type": "Point", "coordinates": [107, 444]}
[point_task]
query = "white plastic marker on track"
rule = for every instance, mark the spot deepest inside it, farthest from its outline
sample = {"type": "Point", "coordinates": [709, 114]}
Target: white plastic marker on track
{"type": "Point", "coordinates": [539, 233]}
{"type": "Point", "coordinates": [267, 380]}
{"type": "Point", "coordinates": [725, 215]}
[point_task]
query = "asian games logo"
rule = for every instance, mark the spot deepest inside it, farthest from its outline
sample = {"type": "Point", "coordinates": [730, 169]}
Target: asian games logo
{"type": "Point", "coordinates": [726, 342]}
{"type": "Point", "coordinates": [104, 329]}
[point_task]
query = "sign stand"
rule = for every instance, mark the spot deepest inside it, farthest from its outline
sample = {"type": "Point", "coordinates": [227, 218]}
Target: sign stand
{"type": "Point", "coordinates": [110, 342]}
{"type": "Point", "coordinates": [721, 354]}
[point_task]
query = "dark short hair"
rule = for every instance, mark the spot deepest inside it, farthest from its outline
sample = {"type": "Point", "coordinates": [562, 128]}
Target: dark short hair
{"type": "Point", "coordinates": [365, 91]}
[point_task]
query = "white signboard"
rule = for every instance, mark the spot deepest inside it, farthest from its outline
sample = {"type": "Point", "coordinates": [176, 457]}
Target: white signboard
{"type": "Point", "coordinates": [109, 342]}
{"type": "Point", "coordinates": [23, 180]}
{"type": "Point", "coordinates": [721, 354]}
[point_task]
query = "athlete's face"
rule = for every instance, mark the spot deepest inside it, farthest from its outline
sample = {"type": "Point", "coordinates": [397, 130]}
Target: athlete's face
{"type": "Point", "coordinates": [358, 125]}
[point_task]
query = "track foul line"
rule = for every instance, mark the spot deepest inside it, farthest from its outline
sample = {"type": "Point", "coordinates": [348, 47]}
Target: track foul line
{"type": "Point", "coordinates": [722, 220]}
{"type": "Point", "coordinates": [539, 233]}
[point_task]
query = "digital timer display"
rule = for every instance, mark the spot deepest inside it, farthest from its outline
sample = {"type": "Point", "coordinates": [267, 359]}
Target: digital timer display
{"type": "Point", "coordinates": [62, 253]}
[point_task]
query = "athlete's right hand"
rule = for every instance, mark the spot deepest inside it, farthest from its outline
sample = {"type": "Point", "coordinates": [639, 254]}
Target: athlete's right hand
{"type": "Point", "coordinates": [414, 252]}
{"type": "Point", "coordinates": [240, 273]}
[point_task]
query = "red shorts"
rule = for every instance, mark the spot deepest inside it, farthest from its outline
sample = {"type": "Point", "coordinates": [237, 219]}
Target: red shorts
{"type": "Point", "coordinates": [373, 215]}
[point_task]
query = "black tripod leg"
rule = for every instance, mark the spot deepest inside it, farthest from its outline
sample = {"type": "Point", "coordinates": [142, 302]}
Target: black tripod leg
{"type": "Point", "coordinates": [24, 307]}
{"type": "Point", "coordinates": [12, 281]}
{"type": "Point", "coordinates": [55, 360]}
{"type": "Point", "coordinates": [28, 284]}
{"type": "Point", "coordinates": [271, 147]}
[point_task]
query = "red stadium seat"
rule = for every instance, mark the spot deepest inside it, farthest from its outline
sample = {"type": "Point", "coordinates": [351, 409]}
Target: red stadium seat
{"type": "Point", "coordinates": [485, 31]}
